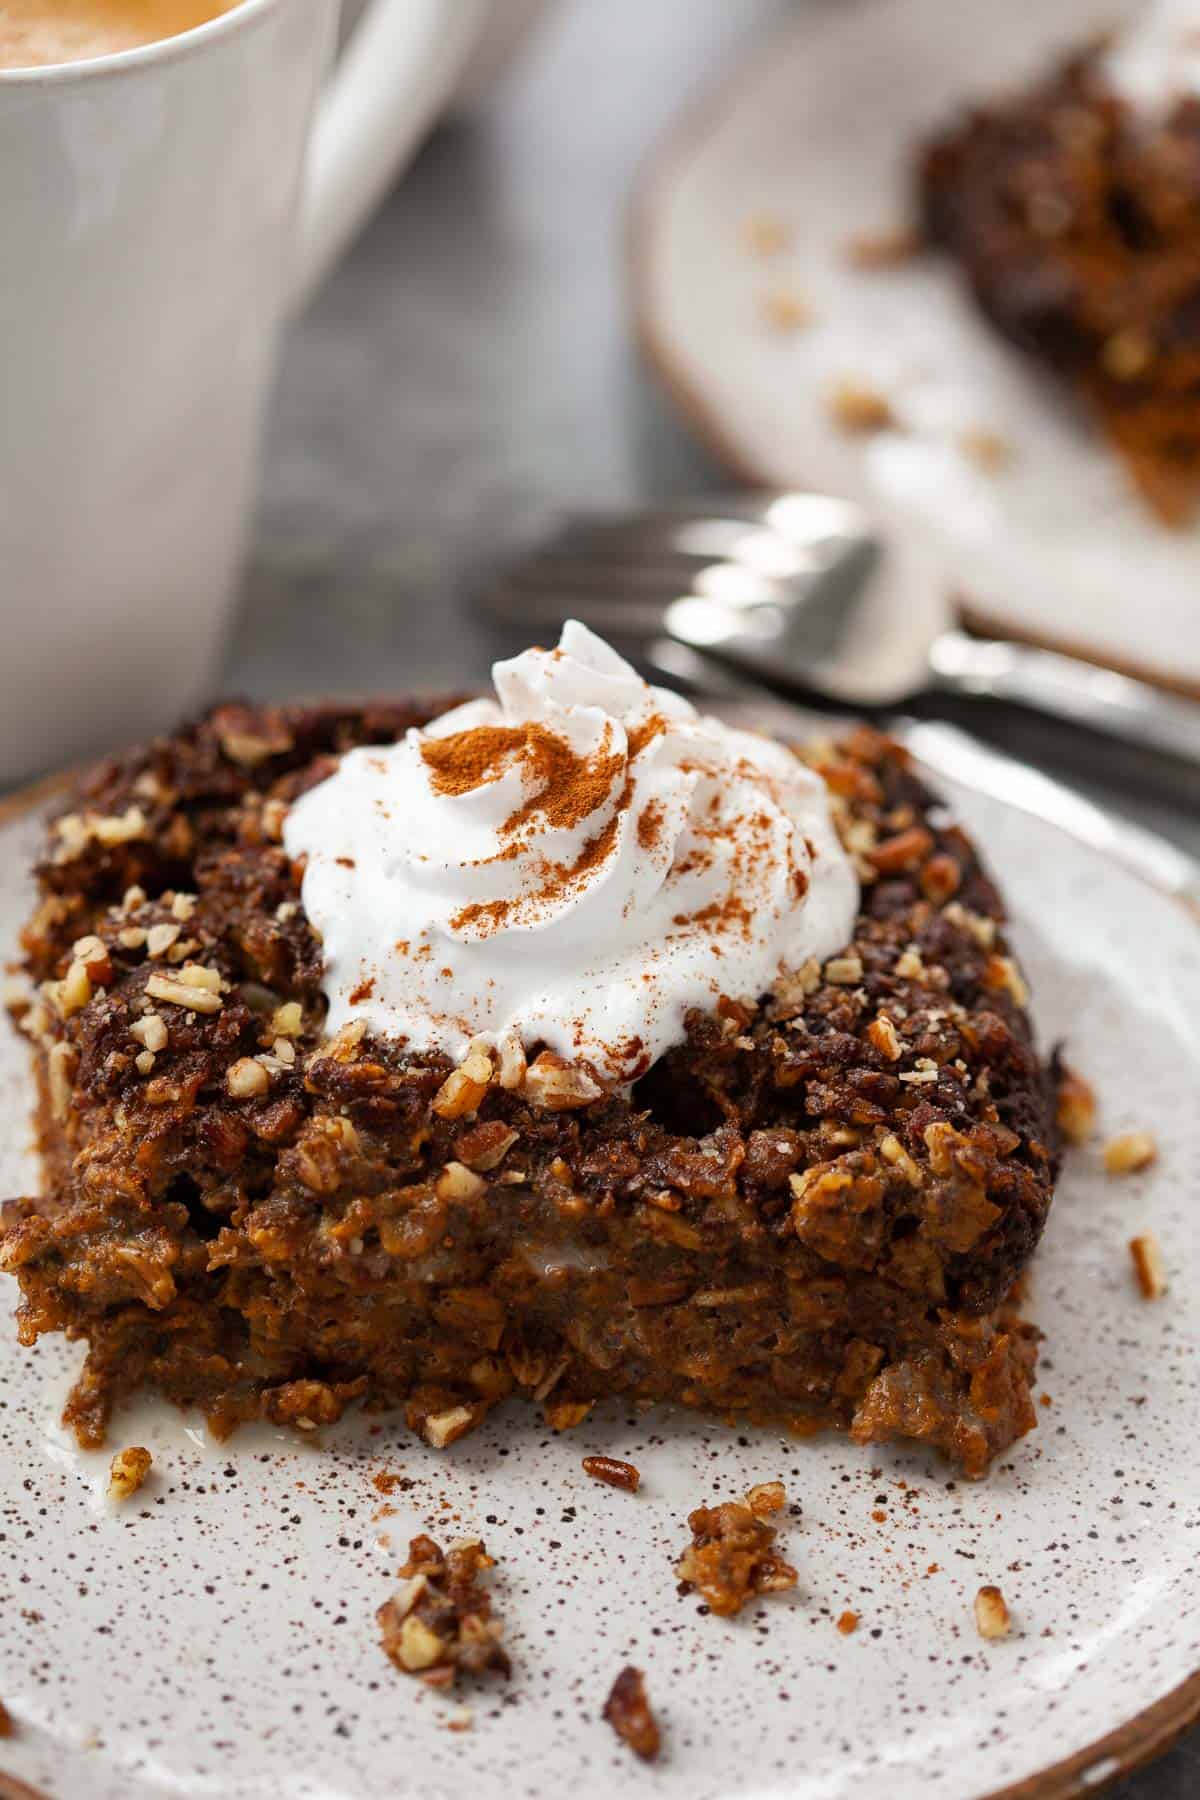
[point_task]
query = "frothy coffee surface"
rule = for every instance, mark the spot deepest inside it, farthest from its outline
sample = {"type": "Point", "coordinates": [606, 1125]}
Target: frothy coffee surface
{"type": "Point", "coordinates": [37, 33]}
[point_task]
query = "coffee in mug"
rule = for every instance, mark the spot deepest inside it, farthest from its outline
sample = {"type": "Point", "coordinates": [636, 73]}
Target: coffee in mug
{"type": "Point", "coordinates": [37, 33]}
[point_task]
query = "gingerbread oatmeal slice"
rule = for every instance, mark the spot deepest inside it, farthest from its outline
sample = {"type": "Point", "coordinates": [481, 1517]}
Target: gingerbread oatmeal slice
{"type": "Point", "coordinates": [1074, 217]}
{"type": "Point", "coordinates": [810, 1211]}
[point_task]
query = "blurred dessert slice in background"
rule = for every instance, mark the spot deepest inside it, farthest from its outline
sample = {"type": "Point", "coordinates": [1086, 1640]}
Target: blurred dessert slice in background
{"type": "Point", "coordinates": [1073, 209]}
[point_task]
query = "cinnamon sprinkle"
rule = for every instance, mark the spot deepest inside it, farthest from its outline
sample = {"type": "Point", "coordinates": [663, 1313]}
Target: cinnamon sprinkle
{"type": "Point", "coordinates": [650, 824]}
{"type": "Point", "coordinates": [469, 759]}
{"type": "Point", "coordinates": [561, 878]}
{"type": "Point", "coordinates": [569, 787]}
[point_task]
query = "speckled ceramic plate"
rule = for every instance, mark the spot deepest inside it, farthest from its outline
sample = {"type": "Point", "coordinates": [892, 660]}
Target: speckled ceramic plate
{"type": "Point", "coordinates": [217, 1636]}
{"type": "Point", "coordinates": [813, 139]}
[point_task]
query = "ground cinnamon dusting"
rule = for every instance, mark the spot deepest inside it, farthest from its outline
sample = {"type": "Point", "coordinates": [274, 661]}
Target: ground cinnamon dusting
{"type": "Point", "coordinates": [568, 787]}
{"type": "Point", "coordinates": [469, 759]}
{"type": "Point", "coordinates": [560, 877]}
{"type": "Point", "coordinates": [649, 825]}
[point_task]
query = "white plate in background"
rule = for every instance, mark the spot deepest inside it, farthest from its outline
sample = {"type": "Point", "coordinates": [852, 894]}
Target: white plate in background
{"type": "Point", "coordinates": [816, 133]}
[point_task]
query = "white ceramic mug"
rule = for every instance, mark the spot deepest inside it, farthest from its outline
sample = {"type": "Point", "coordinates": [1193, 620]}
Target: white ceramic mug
{"type": "Point", "coordinates": [160, 211]}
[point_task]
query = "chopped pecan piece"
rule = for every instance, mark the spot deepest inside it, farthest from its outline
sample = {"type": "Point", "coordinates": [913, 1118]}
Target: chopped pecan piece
{"type": "Point", "coordinates": [1148, 1266]}
{"type": "Point", "coordinates": [1076, 1106]}
{"type": "Point", "coordinates": [628, 1712]}
{"type": "Point", "coordinates": [1131, 1151]}
{"type": "Point", "coordinates": [991, 1613]}
{"type": "Point", "coordinates": [613, 1472]}
{"type": "Point", "coordinates": [127, 1471]}
{"type": "Point", "coordinates": [440, 1622]}
{"type": "Point", "coordinates": [731, 1558]}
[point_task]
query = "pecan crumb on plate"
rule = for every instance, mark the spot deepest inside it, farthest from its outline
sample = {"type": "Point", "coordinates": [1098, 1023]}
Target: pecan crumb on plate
{"type": "Point", "coordinates": [1075, 1104]}
{"type": "Point", "coordinates": [991, 1613]}
{"type": "Point", "coordinates": [1131, 1151]}
{"type": "Point", "coordinates": [1148, 1265]}
{"type": "Point", "coordinates": [441, 1620]}
{"type": "Point", "coordinates": [628, 1712]}
{"type": "Point", "coordinates": [613, 1472]}
{"type": "Point", "coordinates": [127, 1471]}
{"type": "Point", "coordinates": [731, 1558]}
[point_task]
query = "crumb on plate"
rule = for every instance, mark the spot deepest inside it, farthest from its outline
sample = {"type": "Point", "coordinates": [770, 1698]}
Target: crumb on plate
{"type": "Point", "coordinates": [732, 1558]}
{"type": "Point", "coordinates": [628, 1712]}
{"type": "Point", "coordinates": [991, 1613]}
{"type": "Point", "coordinates": [1129, 1152]}
{"type": "Point", "coordinates": [127, 1471]}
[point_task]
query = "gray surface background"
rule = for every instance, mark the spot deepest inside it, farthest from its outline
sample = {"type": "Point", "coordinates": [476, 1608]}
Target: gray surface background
{"type": "Point", "coordinates": [469, 370]}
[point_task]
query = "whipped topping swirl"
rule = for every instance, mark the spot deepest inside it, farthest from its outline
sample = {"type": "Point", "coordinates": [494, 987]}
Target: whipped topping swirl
{"type": "Point", "coordinates": [580, 861]}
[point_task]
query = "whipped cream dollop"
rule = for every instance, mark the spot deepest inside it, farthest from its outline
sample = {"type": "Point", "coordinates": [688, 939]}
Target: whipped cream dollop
{"type": "Point", "coordinates": [579, 861]}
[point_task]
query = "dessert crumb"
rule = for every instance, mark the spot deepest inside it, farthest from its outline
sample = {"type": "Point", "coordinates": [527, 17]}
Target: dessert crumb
{"type": "Point", "coordinates": [988, 450]}
{"type": "Point", "coordinates": [848, 1623]}
{"type": "Point", "coordinates": [882, 249]}
{"type": "Point", "coordinates": [991, 1613]}
{"type": "Point", "coordinates": [127, 1471]}
{"type": "Point", "coordinates": [765, 234]}
{"type": "Point", "coordinates": [628, 1711]}
{"type": "Point", "coordinates": [857, 408]}
{"type": "Point", "coordinates": [1075, 1105]}
{"type": "Point", "coordinates": [440, 1621]}
{"type": "Point", "coordinates": [785, 310]}
{"type": "Point", "coordinates": [613, 1472]}
{"type": "Point", "coordinates": [732, 1558]}
{"type": "Point", "coordinates": [1129, 1152]}
{"type": "Point", "coordinates": [1148, 1265]}
{"type": "Point", "coordinates": [6, 1722]}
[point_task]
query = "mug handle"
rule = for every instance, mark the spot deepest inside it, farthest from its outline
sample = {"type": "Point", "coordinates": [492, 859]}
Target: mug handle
{"type": "Point", "coordinates": [398, 70]}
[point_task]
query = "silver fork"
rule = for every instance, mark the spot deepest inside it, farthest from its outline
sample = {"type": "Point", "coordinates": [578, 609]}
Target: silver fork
{"type": "Point", "coordinates": [802, 592]}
